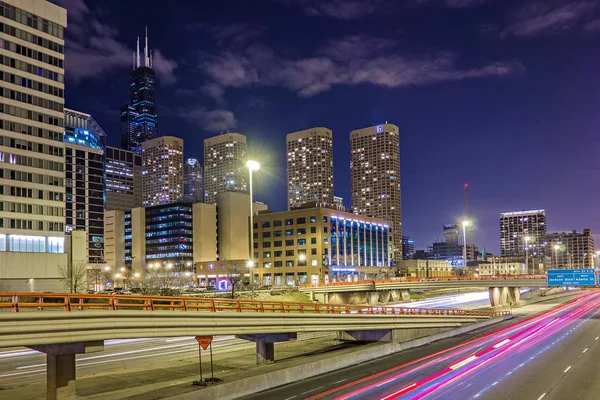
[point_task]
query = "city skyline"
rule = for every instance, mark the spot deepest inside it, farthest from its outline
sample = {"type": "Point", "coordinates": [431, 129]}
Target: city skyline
{"type": "Point", "coordinates": [443, 120]}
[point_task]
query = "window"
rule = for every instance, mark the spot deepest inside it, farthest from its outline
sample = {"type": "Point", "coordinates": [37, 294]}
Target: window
{"type": "Point", "coordinates": [266, 224]}
{"type": "Point", "coordinates": [278, 253]}
{"type": "Point", "coordinates": [313, 229]}
{"type": "Point", "coordinates": [289, 253]}
{"type": "Point", "coordinates": [266, 235]}
{"type": "Point", "coordinates": [289, 221]}
{"type": "Point", "coordinates": [277, 233]}
{"type": "Point", "coordinates": [301, 231]}
{"type": "Point", "coordinates": [325, 219]}
{"type": "Point", "coordinates": [266, 244]}
{"type": "Point", "coordinates": [313, 219]}
{"type": "Point", "coordinates": [325, 229]}
{"type": "Point", "coordinates": [289, 242]}
{"type": "Point", "coordinates": [325, 240]}
{"type": "Point", "coordinates": [289, 232]}
{"type": "Point", "coordinates": [301, 242]}
{"type": "Point", "coordinates": [302, 252]}
{"type": "Point", "coordinates": [278, 264]}
{"type": "Point", "coordinates": [267, 265]}
{"type": "Point", "coordinates": [277, 223]}
{"type": "Point", "coordinates": [301, 220]}
{"type": "Point", "coordinates": [277, 243]}
{"type": "Point", "coordinates": [289, 263]}
{"type": "Point", "coordinates": [313, 262]}
{"type": "Point", "coordinates": [313, 252]}
{"type": "Point", "coordinates": [266, 254]}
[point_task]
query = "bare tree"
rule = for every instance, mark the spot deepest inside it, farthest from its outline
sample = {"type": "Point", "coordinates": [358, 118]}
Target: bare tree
{"type": "Point", "coordinates": [99, 277]}
{"type": "Point", "coordinates": [75, 277]}
{"type": "Point", "coordinates": [460, 271]}
{"type": "Point", "coordinates": [4, 286]}
{"type": "Point", "coordinates": [234, 275]}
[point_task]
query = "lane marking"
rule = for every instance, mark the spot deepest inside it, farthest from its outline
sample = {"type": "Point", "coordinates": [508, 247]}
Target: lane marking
{"type": "Point", "coordinates": [312, 390]}
{"type": "Point", "coordinates": [597, 337]}
{"type": "Point", "coordinates": [584, 351]}
{"type": "Point", "coordinates": [567, 370]}
{"type": "Point", "coordinates": [289, 398]}
{"type": "Point", "coordinates": [340, 381]}
{"type": "Point", "coordinates": [542, 396]}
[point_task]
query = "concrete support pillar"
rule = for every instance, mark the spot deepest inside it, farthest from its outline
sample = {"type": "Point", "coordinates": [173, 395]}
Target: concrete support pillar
{"type": "Point", "coordinates": [384, 296]}
{"type": "Point", "coordinates": [405, 294]}
{"type": "Point", "coordinates": [311, 296]}
{"type": "Point", "coordinates": [265, 351]}
{"type": "Point", "coordinates": [514, 295]}
{"type": "Point", "coordinates": [503, 296]}
{"type": "Point", "coordinates": [494, 296]}
{"type": "Point", "coordinates": [60, 367]}
{"type": "Point", "coordinates": [60, 377]}
{"type": "Point", "coordinates": [265, 344]}
{"type": "Point", "coordinates": [372, 297]}
{"type": "Point", "coordinates": [395, 295]}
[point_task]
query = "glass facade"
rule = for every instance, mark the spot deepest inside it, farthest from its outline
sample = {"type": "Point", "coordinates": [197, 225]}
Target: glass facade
{"type": "Point", "coordinates": [359, 244]}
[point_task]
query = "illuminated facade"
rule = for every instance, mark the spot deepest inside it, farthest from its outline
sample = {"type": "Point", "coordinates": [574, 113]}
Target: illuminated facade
{"type": "Point", "coordinates": [408, 248]}
{"type": "Point", "coordinates": [123, 179]}
{"type": "Point", "coordinates": [225, 169]}
{"type": "Point", "coordinates": [139, 119]}
{"type": "Point", "coordinates": [310, 167]}
{"type": "Point", "coordinates": [375, 174]}
{"type": "Point", "coordinates": [516, 226]}
{"type": "Point", "coordinates": [162, 170]}
{"type": "Point", "coordinates": [316, 245]}
{"type": "Point", "coordinates": [192, 181]}
{"type": "Point", "coordinates": [84, 181]}
{"type": "Point", "coordinates": [575, 249]}
{"type": "Point", "coordinates": [32, 149]}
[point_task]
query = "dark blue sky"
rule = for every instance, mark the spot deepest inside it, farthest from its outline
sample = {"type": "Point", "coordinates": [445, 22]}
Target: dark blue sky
{"type": "Point", "coordinates": [499, 94]}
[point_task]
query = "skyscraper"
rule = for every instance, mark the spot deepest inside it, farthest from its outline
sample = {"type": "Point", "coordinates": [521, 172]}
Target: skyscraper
{"type": "Point", "coordinates": [224, 165]}
{"type": "Point", "coordinates": [375, 174]}
{"type": "Point", "coordinates": [516, 226]}
{"type": "Point", "coordinates": [573, 249]}
{"type": "Point", "coordinates": [84, 181]}
{"type": "Point", "coordinates": [139, 118]}
{"type": "Point", "coordinates": [123, 179]}
{"type": "Point", "coordinates": [162, 170]}
{"type": "Point", "coordinates": [192, 181]}
{"type": "Point", "coordinates": [32, 150]}
{"type": "Point", "coordinates": [310, 167]}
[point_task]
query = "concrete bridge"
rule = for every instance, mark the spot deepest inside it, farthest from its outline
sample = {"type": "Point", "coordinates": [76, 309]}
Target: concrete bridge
{"type": "Point", "coordinates": [63, 325]}
{"type": "Point", "coordinates": [502, 289]}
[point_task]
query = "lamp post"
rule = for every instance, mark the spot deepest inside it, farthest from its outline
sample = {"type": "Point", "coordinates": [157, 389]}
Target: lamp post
{"type": "Point", "coordinates": [464, 225]}
{"type": "Point", "coordinates": [302, 258]}
{"type": "Point", "coordinates": [556, 248]}
{"type": "Point", "coordinates": [252, 166]}
{"type": "Point", "coordinates": [527, 239]}
{"type": "Point", "coordinates": [598, 260]}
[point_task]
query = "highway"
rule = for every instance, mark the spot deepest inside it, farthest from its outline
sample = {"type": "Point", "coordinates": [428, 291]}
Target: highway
{"type": "Point", "coordinates": [552, 355]}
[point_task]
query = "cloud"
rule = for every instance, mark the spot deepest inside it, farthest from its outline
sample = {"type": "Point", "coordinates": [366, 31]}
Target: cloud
{"type": "Point", "coordinates": [92, 48]}
{"type": "Point", "coordinates": [592, 26]}
{"type": "Point", "coordinates": [450, 3]}
{"type": "Point", "coordinates": [233, 34]}
{"type": "Point", "coordinates": [539, 18]}
{"type": "Point", "coordinates": [209, 120]}
{"type": "Point", "coordinates": [352, 60]}
{"type": "Point", "coordinates": [342, 9]}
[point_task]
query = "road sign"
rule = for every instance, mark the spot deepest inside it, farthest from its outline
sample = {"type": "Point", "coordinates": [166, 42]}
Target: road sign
{"type": "Point", "coordinates": [204, 341]}
{"type": "Point", "coordinates": [571, 277]}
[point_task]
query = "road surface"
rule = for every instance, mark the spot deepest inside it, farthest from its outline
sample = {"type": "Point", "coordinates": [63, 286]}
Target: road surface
{"type": "Point", "coordinates": [553, 355]}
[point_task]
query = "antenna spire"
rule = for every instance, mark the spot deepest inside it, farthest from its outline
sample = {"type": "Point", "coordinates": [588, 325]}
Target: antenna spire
{"type": "Point", "coordinates": [137, 53]}
{"type": "Point", "coordinates": [146, 52]}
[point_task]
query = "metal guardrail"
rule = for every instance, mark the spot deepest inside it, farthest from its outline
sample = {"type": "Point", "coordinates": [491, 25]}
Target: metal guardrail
{"type": "Point", "coordinates": [416, 280]}
{"type": "Point", "coordinates": [71, 302]}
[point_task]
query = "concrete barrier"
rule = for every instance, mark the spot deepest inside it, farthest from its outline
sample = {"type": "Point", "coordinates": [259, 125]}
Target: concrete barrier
{"type": "Point", "coordinates": [270, 380]}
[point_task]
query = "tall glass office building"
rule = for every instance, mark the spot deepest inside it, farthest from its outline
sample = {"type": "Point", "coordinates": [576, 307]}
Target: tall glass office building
{"type": "Point", "coordinates": [138, 118]}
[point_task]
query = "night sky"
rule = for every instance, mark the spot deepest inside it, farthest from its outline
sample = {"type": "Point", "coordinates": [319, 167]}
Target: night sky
{"type": "Point", "coordinates": [499, 94]}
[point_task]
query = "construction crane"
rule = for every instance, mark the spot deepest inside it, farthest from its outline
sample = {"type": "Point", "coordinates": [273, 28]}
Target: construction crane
{"type": "Point", "coordinates": [471, 254]}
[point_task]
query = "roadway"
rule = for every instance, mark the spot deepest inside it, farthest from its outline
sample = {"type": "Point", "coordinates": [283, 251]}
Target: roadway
{"type": "Point", "coordinates": [552, 355]}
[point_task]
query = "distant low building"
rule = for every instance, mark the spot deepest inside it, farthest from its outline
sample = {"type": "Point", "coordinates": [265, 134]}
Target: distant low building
{"type": "Point", "coordinates": [572, 249]}
{"type": "Point", "coordinates": [424, 268]}
{"type": "Point", "coordinates": [408, 248]}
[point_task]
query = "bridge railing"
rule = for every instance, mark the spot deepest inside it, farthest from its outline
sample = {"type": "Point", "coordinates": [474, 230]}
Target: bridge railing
{"type": "Point", "coordinates": [72, 302]}
{"type": "Point", "coordinates": [434, 279]}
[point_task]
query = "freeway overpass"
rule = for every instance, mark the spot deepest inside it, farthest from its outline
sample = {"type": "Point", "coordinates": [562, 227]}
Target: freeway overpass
{"type": "Point", "coordinates": [502, 289]}
{"type": "Point", "coordinates": [62, 325]}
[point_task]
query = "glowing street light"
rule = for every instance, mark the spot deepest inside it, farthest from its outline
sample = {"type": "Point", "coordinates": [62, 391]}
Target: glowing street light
{"type": "Point", "coordinates": [252, 166]}
{"type": "Point", "coordinates": [464, 225]}
{"type": "Point", "coordinates": [302, 257]}
{"type": "Point", "coordinates": [107, 268]}
{"type": "Point", "coordinates": [136, 275]}
{"type": "Point", "coordinates": [527, 239]}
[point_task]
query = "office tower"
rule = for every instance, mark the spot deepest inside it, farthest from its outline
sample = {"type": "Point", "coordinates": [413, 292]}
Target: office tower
{"type": "Point", "coordinates": [515, 227]}
{"type": "Point", "coordinates": [32, 190]}
{"type": "Point", "coordinates": [225, 169]}
{"type": "Point", "coordinates": [310, 167]}
{"type": "Point", "coordinates": [84, 181]}
{"type": "Point", "coordinates": [192, 181]}
{"type": "Point", "coordinates": [451, 234]}
{"type": "Point", "coordinates": [138, 118]}
{"type": "Point", "coordinates": [572, 249]}
{"type": "Point", "coordinates": [123, 179]}
{"type": "Point", "coordinates": [408, 248]}
{"type": "Point", "coordinates": [375, 174]}
{"type": "Point", "coordinates": [162, 170]}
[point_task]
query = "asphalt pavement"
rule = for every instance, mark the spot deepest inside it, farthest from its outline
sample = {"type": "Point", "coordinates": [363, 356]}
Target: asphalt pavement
{"type": "Point", "coordinates": [552, 355]}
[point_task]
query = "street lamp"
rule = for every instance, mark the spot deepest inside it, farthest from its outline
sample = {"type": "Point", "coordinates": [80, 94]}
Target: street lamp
{"type": "Point", "coordinates": [527, 239]}
{"type": "Point", "coordinates": [252, 166]}
{"type": "Point", "coordinates": [598, 260]}
{"type": "Point", "coordinates": [464, 225]}
{"type": "Point", "coordinates": [301, 258]}
{"type": "Point", "coordinates": [556, 248]}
